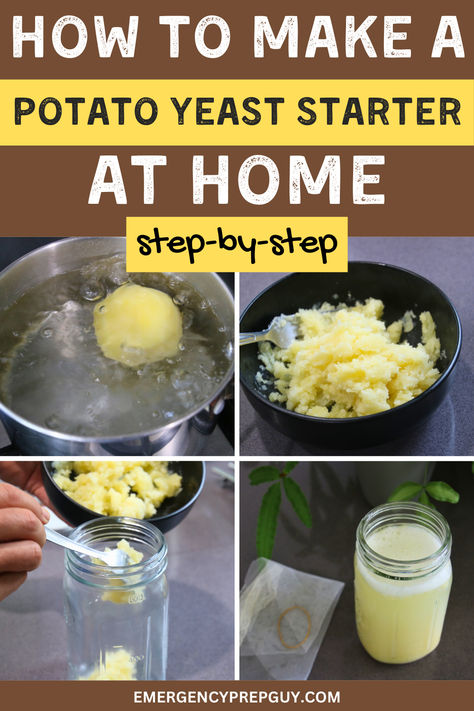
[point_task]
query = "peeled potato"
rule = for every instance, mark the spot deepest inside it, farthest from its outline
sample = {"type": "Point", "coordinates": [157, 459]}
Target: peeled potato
{"type": "Point", "coordinates": [135, 325]}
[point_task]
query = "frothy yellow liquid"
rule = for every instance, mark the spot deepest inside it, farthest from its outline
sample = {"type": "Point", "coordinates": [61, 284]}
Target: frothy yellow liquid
{"type": "Point", "coordinates": [399, 621]}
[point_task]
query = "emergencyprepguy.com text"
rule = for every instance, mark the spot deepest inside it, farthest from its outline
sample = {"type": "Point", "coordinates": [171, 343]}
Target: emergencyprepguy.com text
{"type": "Point", "coordinates": [238, 696]}
{"type": "Point", "coordinates": [237, 244]}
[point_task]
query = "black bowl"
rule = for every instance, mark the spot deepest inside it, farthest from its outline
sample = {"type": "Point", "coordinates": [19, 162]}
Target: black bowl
{"type": "Point", "coordinates": [400, 290]}
{"type": "Point", "coordinates": [171, 512]}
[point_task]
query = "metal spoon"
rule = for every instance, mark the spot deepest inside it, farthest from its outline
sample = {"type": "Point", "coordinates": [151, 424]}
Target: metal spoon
{"type": "Point", "coordinates": [282, 332]}
{"type": "Point", "coordinates": [114, 559]}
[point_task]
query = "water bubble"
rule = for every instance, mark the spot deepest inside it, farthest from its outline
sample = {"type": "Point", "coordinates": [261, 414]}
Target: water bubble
{"type": "Point", "coordinates": [174, 283]}
{"type": "Point", "coordinates": [47, 332]}
{"type": "Point", "coordinates": [53, 422]}
{"type": "Point", "coordinates": [222, 329]}
{"type": "Point", "coordinates": [92, 291]}
{"type": "Point", "coordinates": [118, 275]}
{"type": "Point", "coordinates": [161, 378]}
{"type": "Point", "coordinates": [180, 298]}
{"type": "Point", "coordinates": [182, 379]}
{"type": "Point", "coordinates": [182, 347]}
{"type": "Point", "coordinates": [187, 317]}
{"type": "Point", "coordinates": [175, 378]}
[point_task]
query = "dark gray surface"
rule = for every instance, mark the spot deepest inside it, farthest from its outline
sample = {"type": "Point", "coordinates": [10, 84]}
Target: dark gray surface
{"type": "Point", "coordinates": [337, 505]}
{"type": "Point", "coordinates": [201, 578]}
{"type": "Point", "coordinates": [448, 262]}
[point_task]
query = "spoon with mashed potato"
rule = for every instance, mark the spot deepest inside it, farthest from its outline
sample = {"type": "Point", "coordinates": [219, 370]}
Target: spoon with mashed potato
{"type": "Point", "coordinates": [117, 558]}
{"type": "Point", "coordinates": [135, 325]}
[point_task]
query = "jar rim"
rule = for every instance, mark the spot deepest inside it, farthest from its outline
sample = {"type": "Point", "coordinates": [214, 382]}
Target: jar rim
{"type": "Point", "coordinates": [111, 529]}
{"type": "Point", "coordinates": [396, 513]}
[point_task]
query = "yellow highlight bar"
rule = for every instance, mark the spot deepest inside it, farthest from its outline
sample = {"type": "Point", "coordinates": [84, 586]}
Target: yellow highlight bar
{"type": "Point", "coordinates": [142, 113]}
{"type": "Point", "coordinates": [237, 244]}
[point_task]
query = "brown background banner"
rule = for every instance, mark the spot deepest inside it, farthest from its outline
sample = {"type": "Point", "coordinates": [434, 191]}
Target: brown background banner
{"type": "Point", "coordinates": [45, 190]}
{"type": "Point", "coordinates": [428, 191]}
{"type": "Point", "coordinates": [354, 695]}
{"type": "Point", "coordinates": [152, 51]}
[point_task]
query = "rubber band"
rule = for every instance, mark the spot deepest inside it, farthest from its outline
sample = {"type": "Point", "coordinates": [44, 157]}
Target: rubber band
{"type": "Point", "coordinates": [285, 612]}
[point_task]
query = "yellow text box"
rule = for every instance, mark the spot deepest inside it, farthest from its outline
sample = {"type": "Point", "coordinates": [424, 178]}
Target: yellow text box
{"type": "Point", "coordinates": [237, 244]}
{"type": "Point", "coordinates": [81, 120]}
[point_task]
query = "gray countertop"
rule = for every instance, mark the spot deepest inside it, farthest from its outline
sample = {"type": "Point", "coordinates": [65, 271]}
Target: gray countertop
{"type": "Point", "coordinates": [327, 549]}
{"type": "Point", "coordinates": [448, 263]}
{"type": "Point", "coordinates": [201, 578]}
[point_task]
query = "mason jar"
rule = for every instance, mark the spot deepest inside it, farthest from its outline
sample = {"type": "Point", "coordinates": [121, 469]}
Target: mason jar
{"type": "Point", "coordinates": [402, 580]}
{"type": "Point", "coordinates": [117, 618]}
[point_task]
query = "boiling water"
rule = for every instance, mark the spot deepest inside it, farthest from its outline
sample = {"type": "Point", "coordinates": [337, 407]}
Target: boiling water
{"type": "Point", "coordinates": [53, 373]}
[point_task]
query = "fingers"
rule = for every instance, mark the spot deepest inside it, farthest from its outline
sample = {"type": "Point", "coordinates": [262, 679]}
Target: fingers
{"type": "Point", "coordinates": [21, 524]}
{"type": "Point", "coordinates": [22, 474]}
{"type": "Point", "coordinates": [22, 536]}
{"type": "Point", "coordinates": [12, 497]}
{"type": "Point", "coordinates": [19, 556]}
{"type": "Point", "coordinates": [40, 492]}
{"type": "Point", "coordinates": [9, 582]}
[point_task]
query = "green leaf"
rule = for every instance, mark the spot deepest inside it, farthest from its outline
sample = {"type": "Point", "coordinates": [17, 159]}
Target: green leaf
{"type": "Point", "coordinates": [267, 520]}
{"type": "Point", "coordinates": [441, 491]}
{"type": "Point", "coordinates": [298, 500]}
{"type": "Point", "coordinates": [262, 474]}
{"type": "Point", "coordinates": [289, 466]}
{"type": "Point", "coordinates": [405, 491]}
{"type": "Point", "coordinates": [424, 499]}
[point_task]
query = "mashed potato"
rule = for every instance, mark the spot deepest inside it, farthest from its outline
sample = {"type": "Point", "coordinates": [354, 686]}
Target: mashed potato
{"type": "Point", "coordinates": [134, 556]}
{"type": "Point", "coordinates": [119, 666]}
{"type": "Point", "coordinates": [136, 325]}
{"type": "Point", "coordinates": [116, 488]}
{"type": "Point", "coordinates": [123, 597]}
{"type": "Point", "coordinates": [347, 363]}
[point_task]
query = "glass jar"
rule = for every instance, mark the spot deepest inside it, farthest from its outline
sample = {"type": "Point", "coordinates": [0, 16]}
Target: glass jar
{"type": "Point", "coordinates": [402, 580]}
{"type": "Point", "coordinates": [117, 618]}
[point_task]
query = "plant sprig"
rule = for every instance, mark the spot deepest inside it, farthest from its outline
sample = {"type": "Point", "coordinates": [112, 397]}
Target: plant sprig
{"type": "Point", "coordinates": [438, 490]}
{"type": "Point", "coordinates": [271, 502]}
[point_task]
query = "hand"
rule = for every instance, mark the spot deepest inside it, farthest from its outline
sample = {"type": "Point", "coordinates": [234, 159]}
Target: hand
{"type": "Point", "coordinates": [26, 475]}
{"type": "Point", "coordinates": [22, 536]}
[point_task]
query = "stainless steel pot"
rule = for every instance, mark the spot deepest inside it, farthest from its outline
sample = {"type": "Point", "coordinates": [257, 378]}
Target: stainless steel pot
{"type": "Point", "coordinates": [182, 436]}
